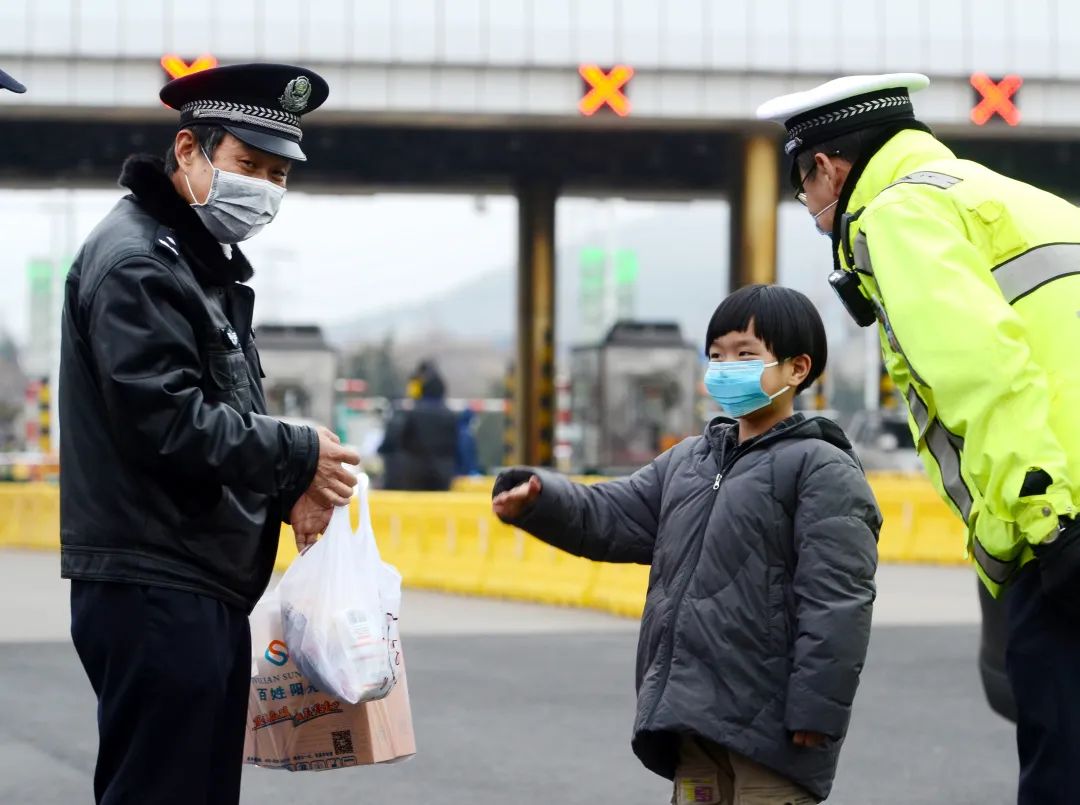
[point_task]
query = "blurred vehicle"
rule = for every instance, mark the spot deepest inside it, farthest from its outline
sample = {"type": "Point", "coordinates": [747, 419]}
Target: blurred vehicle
{"type": "Point", "coordinates": [362, 421]}
{"type": "Point", "coordinates": [883, 442]}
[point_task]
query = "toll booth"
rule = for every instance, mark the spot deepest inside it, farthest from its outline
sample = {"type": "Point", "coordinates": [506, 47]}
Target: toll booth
{"type": "Point", "coordinates": [300, 372]}
{"type": "Point", "coordinates": [633, 395]}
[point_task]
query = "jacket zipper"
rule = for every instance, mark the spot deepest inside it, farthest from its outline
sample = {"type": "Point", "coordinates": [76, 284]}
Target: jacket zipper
{"type": "Point", "coordinates": [669, 654]}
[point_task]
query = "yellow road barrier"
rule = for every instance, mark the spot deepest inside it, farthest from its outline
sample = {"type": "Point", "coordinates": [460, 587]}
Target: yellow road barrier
{"type": "Point", "coordinates": [452, 542]}
{"type": "Point", "coordinates": [30, 516]}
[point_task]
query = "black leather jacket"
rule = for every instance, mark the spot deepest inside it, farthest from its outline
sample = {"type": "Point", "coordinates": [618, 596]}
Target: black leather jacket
{"type": "Point", "coordinates": [171, 473]}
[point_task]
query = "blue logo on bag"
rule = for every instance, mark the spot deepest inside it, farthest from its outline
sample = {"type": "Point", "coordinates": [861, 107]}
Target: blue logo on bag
{"type": "Point", "coordinates": [277, 653]}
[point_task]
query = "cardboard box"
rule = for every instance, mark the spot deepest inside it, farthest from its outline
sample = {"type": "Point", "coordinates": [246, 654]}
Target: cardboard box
{"type": "Point", "coordinates": [292, 725]}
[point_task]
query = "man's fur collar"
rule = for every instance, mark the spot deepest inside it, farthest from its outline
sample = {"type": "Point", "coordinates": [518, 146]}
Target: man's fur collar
{"type": "Point", "coordinates": [144, 175]}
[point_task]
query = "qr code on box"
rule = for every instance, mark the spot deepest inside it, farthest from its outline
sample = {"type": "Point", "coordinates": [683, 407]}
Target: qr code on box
{"type": "Point", "coordinates": [342, 742]}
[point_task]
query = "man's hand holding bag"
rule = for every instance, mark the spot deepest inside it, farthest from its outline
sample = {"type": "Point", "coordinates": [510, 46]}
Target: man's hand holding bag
{"type": "Point", "coordinates": [339, 605]}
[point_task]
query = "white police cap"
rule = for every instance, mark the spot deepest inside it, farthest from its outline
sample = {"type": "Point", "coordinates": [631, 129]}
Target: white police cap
{"type": "Point", "coordinates": [841, 106]}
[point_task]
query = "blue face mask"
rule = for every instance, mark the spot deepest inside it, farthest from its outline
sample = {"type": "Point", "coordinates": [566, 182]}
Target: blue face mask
{"type": "Point", "coordinates": [736, 386]}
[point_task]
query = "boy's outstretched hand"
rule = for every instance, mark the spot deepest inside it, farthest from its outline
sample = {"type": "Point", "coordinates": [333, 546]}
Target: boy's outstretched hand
{"type": "Point", "coordinates": [811, 740]}
{"type": "Point", "coordinates": [511, 504]}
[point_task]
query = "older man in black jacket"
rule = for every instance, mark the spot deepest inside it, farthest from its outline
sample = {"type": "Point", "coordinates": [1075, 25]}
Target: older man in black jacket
{"type": "Point", "coordinates": [174, 480]}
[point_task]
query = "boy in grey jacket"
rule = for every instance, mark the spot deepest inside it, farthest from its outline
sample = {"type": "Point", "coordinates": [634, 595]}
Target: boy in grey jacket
{"type": "Point", "coordinates": [762, 537]}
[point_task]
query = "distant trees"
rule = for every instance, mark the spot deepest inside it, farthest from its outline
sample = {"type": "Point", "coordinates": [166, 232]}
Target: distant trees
{"type": "Point", "coordinates": [375, 364]}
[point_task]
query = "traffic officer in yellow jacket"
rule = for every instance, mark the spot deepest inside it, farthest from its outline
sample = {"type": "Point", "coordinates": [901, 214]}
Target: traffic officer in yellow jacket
{"type": "Point", "coordinates": [974, 280]}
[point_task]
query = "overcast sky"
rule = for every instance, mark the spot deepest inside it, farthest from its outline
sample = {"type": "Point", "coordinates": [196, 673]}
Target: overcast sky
{"type": "Point", "coordinates": [325, 257]}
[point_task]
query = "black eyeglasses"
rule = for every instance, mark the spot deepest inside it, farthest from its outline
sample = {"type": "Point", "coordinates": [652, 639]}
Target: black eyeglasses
{"type": "Point", "coordinates": [800, 192]}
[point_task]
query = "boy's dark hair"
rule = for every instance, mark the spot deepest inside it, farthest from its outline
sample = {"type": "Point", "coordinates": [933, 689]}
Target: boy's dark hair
{"type": "Point", "coordinates": [208, 138]}
{"type": "Point", "coordinates": [849, 146]}
{"type": "Point", "coordinates": [784, 319]}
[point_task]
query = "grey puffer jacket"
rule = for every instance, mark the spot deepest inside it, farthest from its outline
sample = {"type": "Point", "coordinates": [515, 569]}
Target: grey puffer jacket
{"type": "Point", "coordinates": [757, 617]}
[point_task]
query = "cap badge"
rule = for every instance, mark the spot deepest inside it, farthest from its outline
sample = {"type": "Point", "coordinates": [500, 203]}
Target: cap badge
{"type": "Point", "coordinates": [296, 96]}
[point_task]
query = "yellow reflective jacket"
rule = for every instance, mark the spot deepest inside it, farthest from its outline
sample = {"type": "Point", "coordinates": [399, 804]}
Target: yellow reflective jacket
{"type": "Point", "coordinates": [975, 279]}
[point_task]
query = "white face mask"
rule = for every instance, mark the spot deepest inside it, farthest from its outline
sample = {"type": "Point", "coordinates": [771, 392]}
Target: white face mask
{"type": "Point", "coordinates": [820, 213]}
{"type": "Point", "coordinates": [236, 207]}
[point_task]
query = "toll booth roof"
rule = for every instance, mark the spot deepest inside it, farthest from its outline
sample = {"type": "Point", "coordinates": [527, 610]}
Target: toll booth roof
{"type": "Point", "coordinates": [291, 336]}
{"type": "Point", "coordinates": [644, 333]}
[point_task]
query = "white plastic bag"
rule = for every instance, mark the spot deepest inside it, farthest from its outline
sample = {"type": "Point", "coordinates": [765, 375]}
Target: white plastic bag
{"type": "Point", "coordinates": [339, 609]}
{"type": "Point", "coordinates": [294, 725]}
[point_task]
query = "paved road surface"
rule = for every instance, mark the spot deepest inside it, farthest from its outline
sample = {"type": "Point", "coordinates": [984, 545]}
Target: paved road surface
{"type": "Point", "coordinates": [529, 705]}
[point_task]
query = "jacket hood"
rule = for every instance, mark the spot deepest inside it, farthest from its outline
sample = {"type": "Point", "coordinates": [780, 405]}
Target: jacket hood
{"type": "Point", "coordinates": [723, 433]}
{"type": "Point", "coordinates": [144, 175]}
{"type": "Point", "coordinates": [432, 388]}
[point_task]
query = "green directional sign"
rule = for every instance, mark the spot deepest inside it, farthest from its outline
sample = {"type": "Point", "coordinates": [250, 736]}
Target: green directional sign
{"type": "Point", "coordinates": [40, 275]}
{"type": "Point", "coordinates": [626, 267]}
{"type": "Point", "coordinates": [608, 282]}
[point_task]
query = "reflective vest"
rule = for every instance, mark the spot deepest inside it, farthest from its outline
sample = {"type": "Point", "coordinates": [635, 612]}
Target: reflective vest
{"type": "Point", "coordinates": [975, 281]}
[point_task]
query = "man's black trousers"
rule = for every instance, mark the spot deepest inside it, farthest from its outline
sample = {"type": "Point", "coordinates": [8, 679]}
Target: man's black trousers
{"type": "Point", "coordinates": [1043, 663]}
{"type": "Point", "coordinates": [171, 671]}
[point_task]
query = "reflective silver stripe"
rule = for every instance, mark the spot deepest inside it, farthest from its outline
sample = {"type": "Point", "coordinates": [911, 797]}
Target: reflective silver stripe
{"type": "Point", "coordinates": [997, 571]}
{"type": "Point", "coordinates": [947, 455]}
{"type": "Point", "coordinates": [1036, 267]}
{"type": "Point", "coordinates": [259, 116]}
{"type": "Point", "coordinates": [894, 342]}
{"type": "Point", "coordinates": [242, 117]}
{"type": "Point", "coordinates": [226, 108]}
{"type": "Point", "coordinates": [940, 180]}
{"type": "Point", "coordinates": [918, 409]}
{"type": "Point", "coordinates": [945, 447]}
{"type": "Point", "coordinates": [957, 442]}
{"type": "Point", "coordinates": [861, 254]}
{"type": "Point", "coordinates": [846, 112]}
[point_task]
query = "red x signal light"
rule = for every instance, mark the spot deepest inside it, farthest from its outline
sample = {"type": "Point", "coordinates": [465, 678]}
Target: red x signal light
{"type": "Point", "coordinates": [605, 89]}
{"type": "Point", "coordinates": [995, 98]}
{"type": "Point", "coordinates": [175, 67]}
